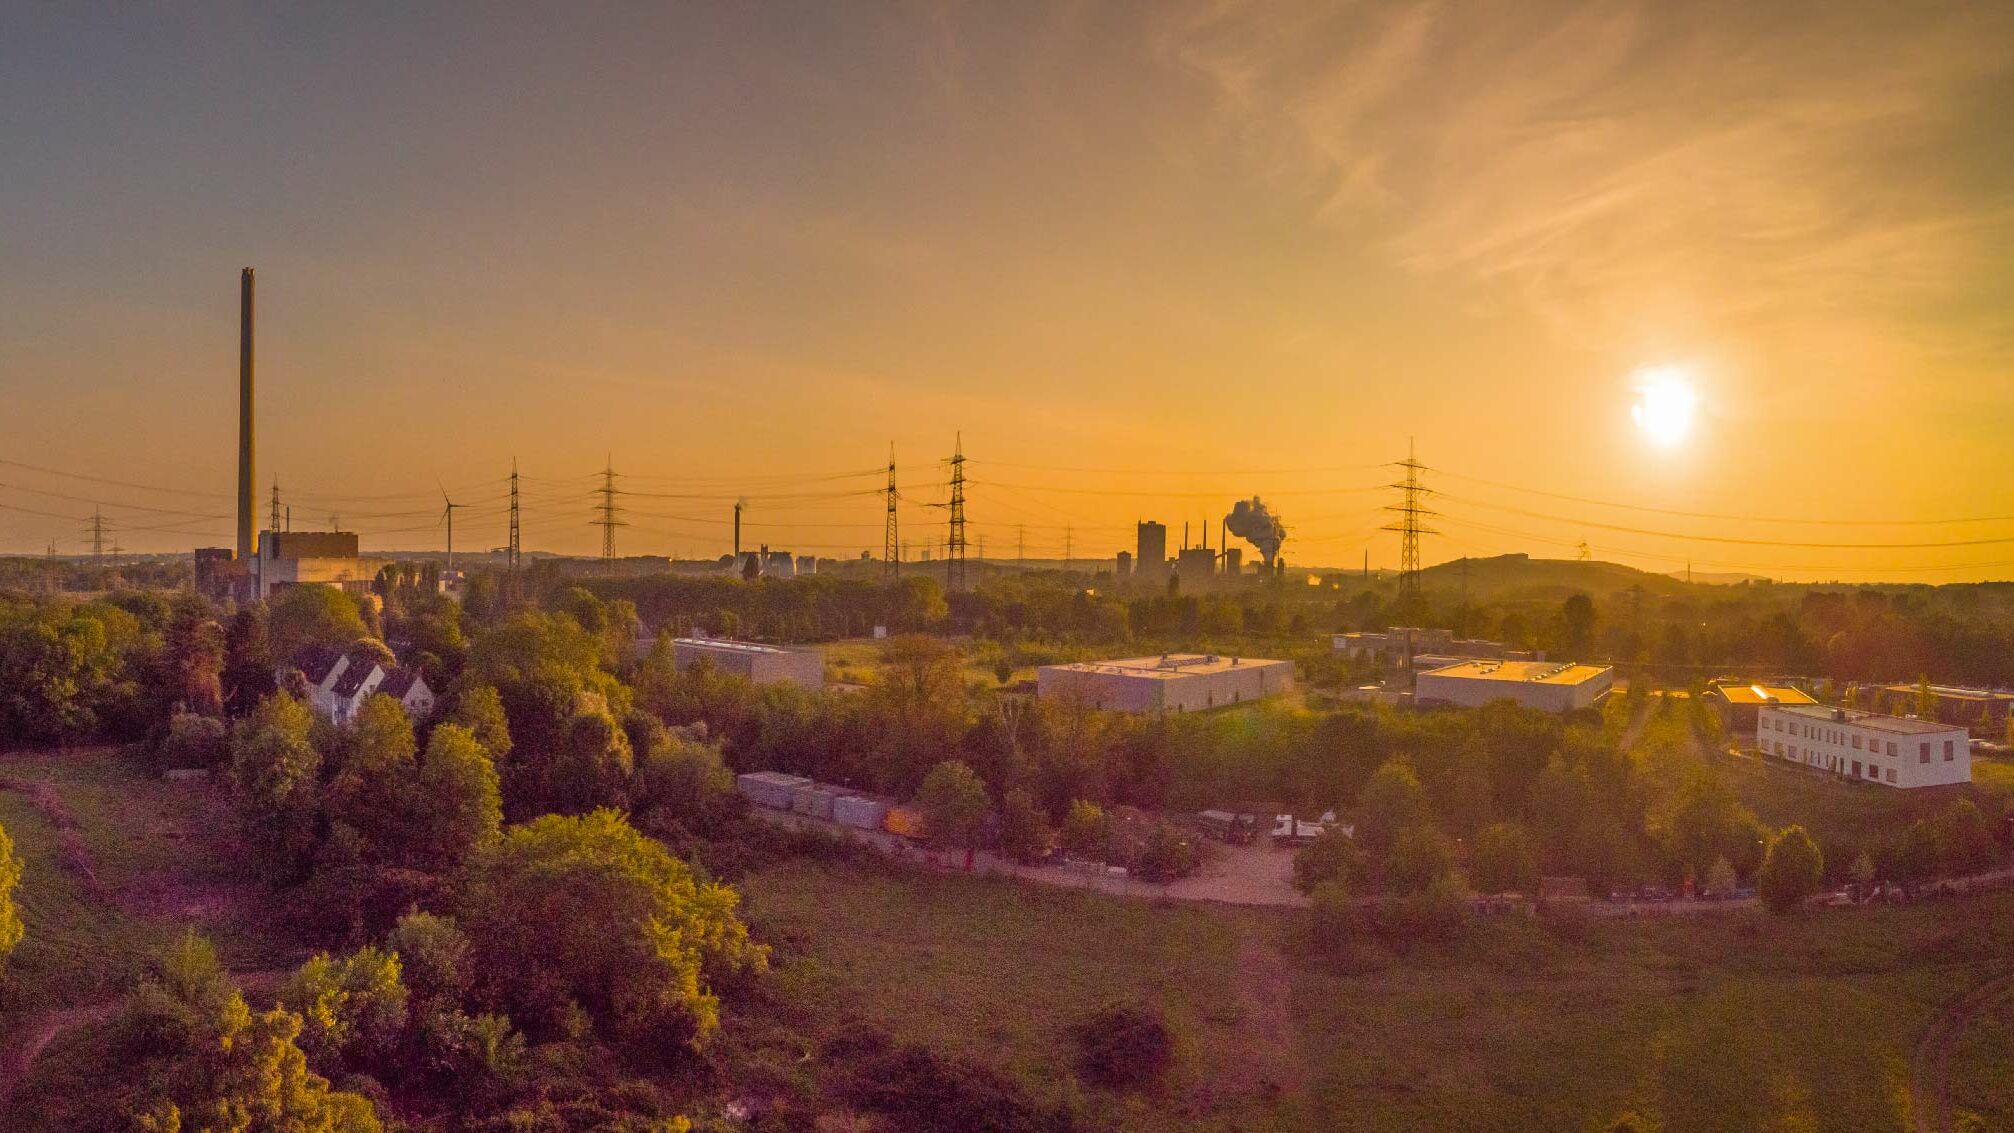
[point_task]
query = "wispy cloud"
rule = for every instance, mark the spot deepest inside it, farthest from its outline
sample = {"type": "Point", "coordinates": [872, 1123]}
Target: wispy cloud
{"type": "Point", "coordinates": [1791, 174]}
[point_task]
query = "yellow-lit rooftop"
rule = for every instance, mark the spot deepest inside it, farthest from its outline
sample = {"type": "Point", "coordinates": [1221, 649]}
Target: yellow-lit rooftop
{"type": "Point", "coordinates": [1535, 672]}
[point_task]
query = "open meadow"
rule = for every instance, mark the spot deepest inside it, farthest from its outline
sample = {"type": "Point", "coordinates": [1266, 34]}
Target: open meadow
{"type": "Point", "coordinates": [1736, 1022]}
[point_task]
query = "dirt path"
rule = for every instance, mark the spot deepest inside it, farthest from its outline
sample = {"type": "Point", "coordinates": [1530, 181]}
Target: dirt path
{"type": "Point", "coordinates": [39, 1032]}
{"type": "Point", "coordinates": [1271, 1062]}
{"type": "Point", "coordinates": [1930, 1066]}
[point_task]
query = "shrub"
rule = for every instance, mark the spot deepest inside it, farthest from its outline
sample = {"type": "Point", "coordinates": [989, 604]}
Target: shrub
{"type": "Point", "coordinates": [1086, 830]}
{"type": "Point", "coordinates": [1437, 913]}
{"type": "Point", "coordinates": [1332, 856]}
{"type": "Point", "coordinates": [352, 1009]}
{"type": "Point", "coordinates": [953, 802]}
{"type": "Point", "coordinates": [1169, 855]}
{"type": "Point", "coordinates": [1123, 1046]}
{"type": "Point", "coordinates": [915, 1090]}
{"type": "Point", "coordinates": [571, 912]}
{"type": "Point", "coordinates": [10, 918]}
{"type": "Point", "coordinates": [1332, 920]}
{"type": "Point", "coordinates": [1025, 834]}
{"type": "Point", "coordinates": [1791, 871]}
{"type": "Point", "coordinates": [1505, 860]}
{"type": "Point", "coordinates": [192, 741]}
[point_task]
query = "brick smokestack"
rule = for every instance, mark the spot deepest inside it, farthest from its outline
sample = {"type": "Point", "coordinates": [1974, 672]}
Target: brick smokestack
{"type": "Point", "coordinates": [246, 546]}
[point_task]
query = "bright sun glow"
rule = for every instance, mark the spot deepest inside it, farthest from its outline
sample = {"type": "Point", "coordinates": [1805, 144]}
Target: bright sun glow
{"type": "Point", "coordinates": [1664, 405]}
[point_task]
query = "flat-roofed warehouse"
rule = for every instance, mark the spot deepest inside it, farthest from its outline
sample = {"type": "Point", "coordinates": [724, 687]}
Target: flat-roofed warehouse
{"type": "Point", "coordinates": [1543, 685]}
{"type": "Point", "coordinates": [1177, 682]}
{"type": "Point", "coordinates": [762, 664]}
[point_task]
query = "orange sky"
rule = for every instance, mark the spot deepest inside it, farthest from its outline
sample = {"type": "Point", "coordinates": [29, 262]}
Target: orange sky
{"type": "Point", "coordinates": [1214, 248]}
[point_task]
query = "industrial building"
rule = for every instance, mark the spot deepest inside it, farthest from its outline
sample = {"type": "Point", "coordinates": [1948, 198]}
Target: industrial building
{"type": "Point", "coordinates": [314, 558]}
{"type": "Point", "coordinates": [1150, 551]}
{"type": "Point", "coordinates": [762, 664]}
{"type": "Point", "coordinates": [1896, 751]}
{"type": "Point", "coordinates": [1737, 704]}
{"type": "Point", "coordinates": [1534, 684]}
{"type": "Point", "coordinates": [1395, 645]}
{"type": "Point", "coordinates": [1176, 682]}
{"type": "Point", "coordinates": [1985, 709]}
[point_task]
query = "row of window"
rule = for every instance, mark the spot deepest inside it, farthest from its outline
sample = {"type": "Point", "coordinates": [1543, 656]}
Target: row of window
{"type": "Point", "coordinates": [1836, 736]}
{"type": "Point", "coordinates": [1836, 763]}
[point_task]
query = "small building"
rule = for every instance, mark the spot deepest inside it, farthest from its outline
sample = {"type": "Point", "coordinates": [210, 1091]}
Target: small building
{"type": "Point", "coordinates": [1896, 751]}
{"type": "Point", "coordinates": [1535, 684]}
{"type": "Point", "coordinates": [1737, 703]}
{"type": "Point", "coordinates": [339, 682]}
{"type": "Point", "coordinates": [411, 690]}
{"type": "Point", "coordinates": [1175, 682]}
{"type": "Point", "coordinates": [774, 789]}
{"type": "Point", "coordinates": [762, 664]}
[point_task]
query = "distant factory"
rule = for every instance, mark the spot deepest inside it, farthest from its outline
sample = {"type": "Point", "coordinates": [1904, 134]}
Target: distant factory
{"type": "Point", "coordinates": [275, 559]}
{"type": "Point", "coordinates": [1199, 566]}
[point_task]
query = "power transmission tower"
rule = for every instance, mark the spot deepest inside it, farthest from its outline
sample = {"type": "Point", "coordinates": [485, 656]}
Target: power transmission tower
{"type": "Point", "coordinates": [1410, 510]}
{"type": "Point", "coordinates": [511, 556]}
{"type": "Point", "coordinates": [97, 535]}
{"type": "Point", "coordinates": [954, 546]}
{"type": "Point", "coordinates": [1066, 549]}
{"type": "Point", "coordinates": [891, 546]}
{"type": "Point", "coordinates": [276, 506]}
{"type": "Point", "coordinates": [608, 521]}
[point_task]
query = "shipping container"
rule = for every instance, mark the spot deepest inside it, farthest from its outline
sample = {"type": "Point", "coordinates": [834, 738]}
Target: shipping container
{"type": "Point", "coordinates": [862, 812]}
{"type": "Point", "coordinates": [904, 820]}
{"type": "Point", "coordinates": [769, 788]}
{"type": "Point", "coordinates": [814, 800]}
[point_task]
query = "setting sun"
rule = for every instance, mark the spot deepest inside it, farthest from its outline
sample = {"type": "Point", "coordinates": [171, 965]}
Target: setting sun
{"type": "Point", "coordinates": [1664, 405]}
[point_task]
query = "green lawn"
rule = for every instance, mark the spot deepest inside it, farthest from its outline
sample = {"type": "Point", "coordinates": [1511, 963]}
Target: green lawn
{"type": "Point", "coordinates": [1728, 1022]}
{"type": "Point", "coordinates": [159, 862]}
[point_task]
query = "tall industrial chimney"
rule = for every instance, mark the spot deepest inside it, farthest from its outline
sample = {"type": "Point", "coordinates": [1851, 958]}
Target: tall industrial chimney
{"type": "Point", "coordinates": [246, 546]}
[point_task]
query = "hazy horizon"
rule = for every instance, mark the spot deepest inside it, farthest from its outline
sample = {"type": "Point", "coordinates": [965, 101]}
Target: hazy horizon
{"type": "Point", "coordinates": [1146, 259]}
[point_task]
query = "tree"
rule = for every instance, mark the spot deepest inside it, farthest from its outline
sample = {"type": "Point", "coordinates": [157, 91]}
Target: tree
{"type": "Point", "coordinates": [352, 1009]}
{"type": "Point", "coordinates": [463, 808]}
{"type": "Point", "coordinates": [273, 772]}
{"type": "Point", "coordinates": [10, 917]}
{"type": "Point", "coordinates": [1391, 804]}
{"type": "Point", "coordinates": [1025, 833]}
{"type": "Point", "coordinates": [373, 804]}
{"type": "Point", "coordinates": [680, 783]}
{"type": "Point", "coordinates": [582, 912]}
{"type": "Point", "coordinates": [434, 956]}
{"type": "Point", "coordinates": [481, 711]}
{"type": "Point", "coordinates": [1085, 829]}
{"type": "Point", "coordinates": [193, 741]}
{"type": "Point", "coordinates": [312, 615]}
{"type": "Point", "coordinates": [1332, 856]}
{"type": "Point", "coordinates": [1720, 878]}
{"type": "Point", "coordinates": [1791, 871]}
{"type": "Point", "coordinates": [1419, 858]}
{"type": "Point", "coordinates": [1505, 860]}
{"type": "Point", "coordinates": [954, 803]}
{"type": "Point", "coordinates": [1577, 615]}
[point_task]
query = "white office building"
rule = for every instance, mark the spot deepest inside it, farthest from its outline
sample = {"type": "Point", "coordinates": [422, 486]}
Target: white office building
{"type": "Point", "coordinates": [1898, 751]}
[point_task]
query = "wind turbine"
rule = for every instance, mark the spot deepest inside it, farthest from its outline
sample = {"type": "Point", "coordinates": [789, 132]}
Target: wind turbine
{"type": "Point", "coordinates": [448, 513]}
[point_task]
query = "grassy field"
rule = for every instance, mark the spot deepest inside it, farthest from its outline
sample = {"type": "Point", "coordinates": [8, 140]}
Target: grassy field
{"type": "Point", "coordinates": [117, 863]}
{"type": "Point", "coordinates": [1733, 1022]}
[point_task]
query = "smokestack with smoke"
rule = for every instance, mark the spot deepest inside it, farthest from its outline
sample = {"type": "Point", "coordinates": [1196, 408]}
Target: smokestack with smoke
{"type": "Point", "coordinates": [1249, 520]}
